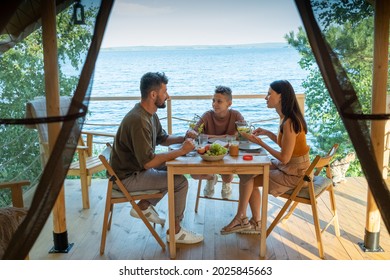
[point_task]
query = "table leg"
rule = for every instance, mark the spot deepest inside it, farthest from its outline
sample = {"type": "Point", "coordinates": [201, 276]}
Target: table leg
{"type": "Point", "coordinates": [171, 213]}
{"type": "Point", "coordinates": [264, 211]}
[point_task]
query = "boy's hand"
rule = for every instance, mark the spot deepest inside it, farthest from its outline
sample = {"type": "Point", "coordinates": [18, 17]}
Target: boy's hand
{"type": "Point", "coordinates": [191, 134]}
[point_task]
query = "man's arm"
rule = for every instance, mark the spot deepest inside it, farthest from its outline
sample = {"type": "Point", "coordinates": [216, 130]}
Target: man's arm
{"type": "Point", "coordinates": [161, 158]}
{"type": "Point", "coordinates": [173, 139]}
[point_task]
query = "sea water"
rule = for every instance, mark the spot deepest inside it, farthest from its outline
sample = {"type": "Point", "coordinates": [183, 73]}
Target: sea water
{"type": "Point", "coordinates": [193, 70]}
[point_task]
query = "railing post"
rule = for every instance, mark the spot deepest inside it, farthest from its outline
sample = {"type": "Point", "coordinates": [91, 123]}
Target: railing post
{"type": "Point", "coordinates": [301, 102]}
{"type": "Point", "coordinates": [169, 115]}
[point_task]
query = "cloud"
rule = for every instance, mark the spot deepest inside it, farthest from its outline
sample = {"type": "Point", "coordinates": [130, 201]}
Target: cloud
{"type": "Point", "coordinates": [132, 9]}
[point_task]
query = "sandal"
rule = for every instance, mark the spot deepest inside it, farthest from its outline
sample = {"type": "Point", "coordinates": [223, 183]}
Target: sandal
{"type": "Point", "coordinates": [242, 225]}
{"type": "Point", "coordinates": [255, 227]}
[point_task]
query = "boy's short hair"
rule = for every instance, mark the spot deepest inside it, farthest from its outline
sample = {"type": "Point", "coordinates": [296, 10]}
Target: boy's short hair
{"type": "Point", "coordinates": [226, 91]}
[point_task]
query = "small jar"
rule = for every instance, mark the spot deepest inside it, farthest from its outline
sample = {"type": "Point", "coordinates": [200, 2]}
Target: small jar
{"type": "Point", "coordinates": [233, 148]}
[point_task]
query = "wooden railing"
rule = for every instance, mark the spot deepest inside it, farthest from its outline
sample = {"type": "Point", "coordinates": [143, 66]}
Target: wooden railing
{"type": "Point", "coordinates": [174, 98]}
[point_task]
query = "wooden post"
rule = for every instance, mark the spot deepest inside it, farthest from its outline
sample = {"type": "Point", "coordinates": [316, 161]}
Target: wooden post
{"type": "Point", "coordinates": [379, 90]}
{"type": "Point", "coordinates": [169, 115]}
{"type": "Point", "coordinates": [49, 34]}
{"type": "Point", "coordinates": [301, 102]}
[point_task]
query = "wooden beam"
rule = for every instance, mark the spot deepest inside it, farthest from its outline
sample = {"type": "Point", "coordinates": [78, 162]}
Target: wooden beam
{"type": "Point", "coordinates": [49, 34]}
{"type": "Point", "coordinates": [379, 96]}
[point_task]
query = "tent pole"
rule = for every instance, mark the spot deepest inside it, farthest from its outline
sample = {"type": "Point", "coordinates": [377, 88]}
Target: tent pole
{"type": "Point", "coordinates": [49, 34]}
{"type": "Point", "coordinates": [378, 133]}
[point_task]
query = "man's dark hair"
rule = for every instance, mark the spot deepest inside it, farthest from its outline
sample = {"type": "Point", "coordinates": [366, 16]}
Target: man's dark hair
{"type": "Point", "coordinates": [151, 81]}
{"type": "Point", "coordinates": [224, 91]}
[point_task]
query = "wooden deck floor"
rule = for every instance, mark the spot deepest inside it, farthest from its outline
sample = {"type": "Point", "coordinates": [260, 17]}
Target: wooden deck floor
{"type": "Point", "coordinates": [129, 238]}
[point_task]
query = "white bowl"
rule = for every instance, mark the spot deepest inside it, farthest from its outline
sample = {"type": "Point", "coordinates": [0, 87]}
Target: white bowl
{"type": "Point", "coordinates": [212, 158]}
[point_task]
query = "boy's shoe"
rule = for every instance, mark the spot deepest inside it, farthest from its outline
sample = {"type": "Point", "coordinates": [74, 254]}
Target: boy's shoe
{"type": "Point", "coordinates": [208, 191]}
{"type": "Point", "coordinates": [185, 236]}
{"type": "Point", "coordinates": [226, 191]}
{"type": "Point", "coordinates": [150, 214]}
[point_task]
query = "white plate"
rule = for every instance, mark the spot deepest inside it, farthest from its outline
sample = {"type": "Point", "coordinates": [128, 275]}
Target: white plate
{"type": "Point", "coordinates": [249, 146]}
{"type": "Point", "coordinates": [212, 158]}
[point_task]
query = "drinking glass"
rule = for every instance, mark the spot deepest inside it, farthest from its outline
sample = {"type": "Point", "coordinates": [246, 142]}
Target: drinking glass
{"type": "Point", "coordinates": [203, 140]}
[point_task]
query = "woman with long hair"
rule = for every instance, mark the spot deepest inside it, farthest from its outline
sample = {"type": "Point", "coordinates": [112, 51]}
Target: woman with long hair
{"type": "Point", "coordinates": [287, 165]}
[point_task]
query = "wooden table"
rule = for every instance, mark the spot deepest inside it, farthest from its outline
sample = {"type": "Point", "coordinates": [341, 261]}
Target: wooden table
{"type": "Point", "coordinates": [229, 165]}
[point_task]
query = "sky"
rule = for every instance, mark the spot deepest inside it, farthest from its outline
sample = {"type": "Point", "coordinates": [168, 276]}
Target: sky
{"type": "Point", "coordinates": [200, 22]}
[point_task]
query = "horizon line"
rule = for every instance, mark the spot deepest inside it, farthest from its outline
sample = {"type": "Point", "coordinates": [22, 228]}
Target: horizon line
{"type": "Point", "coordinates": [198, 45]}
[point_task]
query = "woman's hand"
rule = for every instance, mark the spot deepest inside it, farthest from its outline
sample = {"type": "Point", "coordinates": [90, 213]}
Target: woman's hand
{"type": "Point", "coordinates": [253, 138]}
{"type": "Point", "coordinates": [259, 131]}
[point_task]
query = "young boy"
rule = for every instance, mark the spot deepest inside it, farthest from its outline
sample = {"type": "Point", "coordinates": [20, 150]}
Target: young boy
{"type": "Point", "coordinates": [218, 122]}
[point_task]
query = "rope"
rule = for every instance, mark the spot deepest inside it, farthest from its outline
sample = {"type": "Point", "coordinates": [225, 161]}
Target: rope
{"type": "Point", "coordinates": [22, 152]}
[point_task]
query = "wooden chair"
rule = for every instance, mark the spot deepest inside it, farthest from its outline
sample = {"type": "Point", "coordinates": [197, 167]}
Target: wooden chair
{"type": "Point", "coordinates": [316, 185]}
{"type": "Point", "coordinates": [87, 164]}
{"type": "Point", "coordinates": [11, 217]}
{"type": "Point", "coordinates": [123, 196]}
{"type": "Point", "coordinates": [199, 196]}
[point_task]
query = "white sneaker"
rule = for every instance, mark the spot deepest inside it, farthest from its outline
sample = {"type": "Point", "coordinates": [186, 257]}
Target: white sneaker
{"type": "Point", "coordinates": [208, 191]}
{"type": "Point", "coordinates": [150, 214]}
{"type": "Point", "coordinates": [185, 236]}
{"type": "Point", "coordinates": [226, 191]}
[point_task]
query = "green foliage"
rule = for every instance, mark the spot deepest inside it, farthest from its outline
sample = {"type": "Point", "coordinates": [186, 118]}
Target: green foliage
{"type": "Point", "coordinates": [349, 31]}
{"type": "Point", "coordinates": [22, 79]}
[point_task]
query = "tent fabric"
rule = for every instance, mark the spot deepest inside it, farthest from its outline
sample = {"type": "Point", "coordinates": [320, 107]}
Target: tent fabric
{"type": "Point", "coordinates": [56, 168]}
{"type": "Point", "coordinates": [20, 18]}
{"type": "Point", "coordinates": [347, 103]}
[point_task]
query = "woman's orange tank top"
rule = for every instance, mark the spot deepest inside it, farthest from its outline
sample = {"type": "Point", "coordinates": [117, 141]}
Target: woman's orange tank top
{"type": "Point", "coordinates": [301, 148]}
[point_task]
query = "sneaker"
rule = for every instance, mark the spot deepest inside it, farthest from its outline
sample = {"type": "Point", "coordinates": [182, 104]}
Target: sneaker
{"type": "Point", "coordinates": [255, 227]}
{"type": "Point", "coordinates": [226, 191]}
{"type": "Point", "coordinates": [150, 214]}
{"type": "Point", "coordinates": [208, 191]}
{"type": "Point", "coordinates": [185, 236]}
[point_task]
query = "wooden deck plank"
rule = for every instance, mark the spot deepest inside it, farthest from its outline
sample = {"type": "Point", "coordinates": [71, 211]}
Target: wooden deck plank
{"type": "Point", "coordinates": [129, 238]}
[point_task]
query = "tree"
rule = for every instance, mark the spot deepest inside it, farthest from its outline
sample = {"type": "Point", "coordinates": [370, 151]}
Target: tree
{"type": "Point", "coordinates": [22, 79]}
{"type": "Point", "coordinates": [348, 29]}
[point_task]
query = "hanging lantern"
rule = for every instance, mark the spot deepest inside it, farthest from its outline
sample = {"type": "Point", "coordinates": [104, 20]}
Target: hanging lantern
{"type": "Point", "coordinates": [78, 13]}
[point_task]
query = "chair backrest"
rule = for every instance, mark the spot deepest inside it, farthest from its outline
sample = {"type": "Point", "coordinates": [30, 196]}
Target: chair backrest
{"type": "Point", "coordinates": [312, 175]}
{"type": "Point", "coordinates": [324, 161]}
{"type": "Point", "coordinates": [113, 178]}
{"type": "Point", "coordinates": [37, 109]}
{"type": "Point", "coordinates": [105, 158]}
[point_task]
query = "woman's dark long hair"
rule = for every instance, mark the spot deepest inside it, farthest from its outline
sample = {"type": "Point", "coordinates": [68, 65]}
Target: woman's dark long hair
{"type": "Point", "coordinates": [290, 107]}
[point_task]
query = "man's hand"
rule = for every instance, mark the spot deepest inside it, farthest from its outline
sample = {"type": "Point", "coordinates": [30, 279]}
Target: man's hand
{"type": "Point", "coordinates": [188, 146]}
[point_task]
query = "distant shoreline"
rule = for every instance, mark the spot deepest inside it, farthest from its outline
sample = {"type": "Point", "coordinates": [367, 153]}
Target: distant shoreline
{"type": "Point", "coordinates": [193, 47]}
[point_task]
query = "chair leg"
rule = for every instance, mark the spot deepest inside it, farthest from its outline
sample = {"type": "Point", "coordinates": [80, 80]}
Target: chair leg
{"type": "Point", "coordinates": [111, 213]}
{"type": "Point", "coordinates": [148, 225]}
{"type": "Point", "coordinates": [316, 222]}
{"type": "Point", "coordinates": [290, 211]}
{"type": "Point", "coordinates": [334, 211]}
{"type": "Point", "coordinates": [278, 217]}
{"type": "Point", "coordinates": [84, 191]}
{"type": "Point", "coordinates": [198, 195]}
{"type": "Point", "coordinates": [89, 180]}
{"type": "Point", "coordinates": [106, 224]}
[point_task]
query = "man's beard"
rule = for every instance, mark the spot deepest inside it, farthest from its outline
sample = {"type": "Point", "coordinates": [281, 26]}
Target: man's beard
{"type": "Point", "coordinates": [160, 106]}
